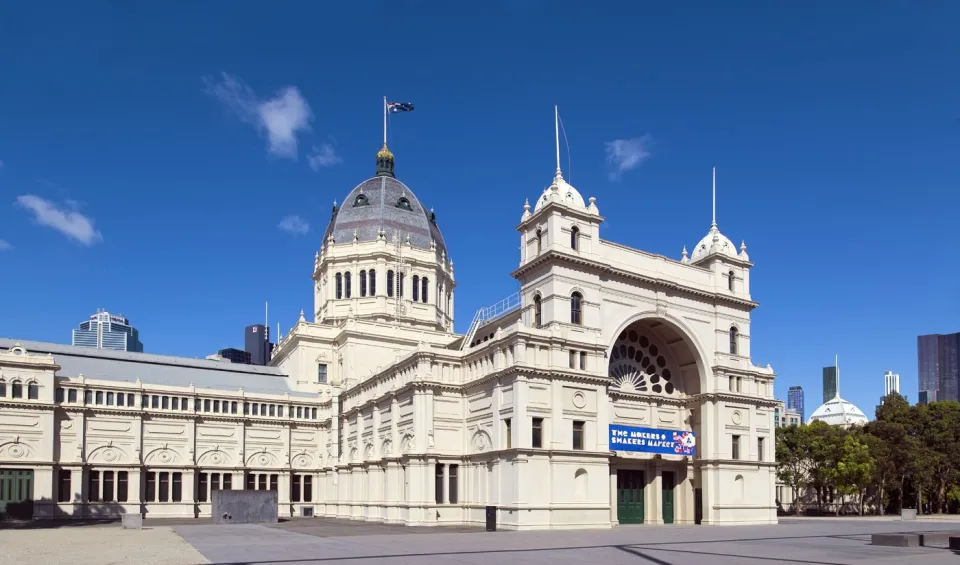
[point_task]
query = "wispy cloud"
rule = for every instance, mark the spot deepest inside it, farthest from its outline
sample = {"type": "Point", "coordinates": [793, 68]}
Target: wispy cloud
{"type": "Point", "coordinates": [626, 154]}
{"type": "Point", "coordinates": [4, 245]}
{"type": "Point", "coordinates": [70, 223]}
{"type": "Point", "coordinates": [323, 156]}
{"type": "Point", "coordinates": [294, 225]}
{"type": "Point", "coordinates": [281, 118]}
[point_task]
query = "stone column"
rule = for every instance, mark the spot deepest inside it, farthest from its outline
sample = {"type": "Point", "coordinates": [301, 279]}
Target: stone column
{"type": "Point", "coordinates": [187, 492]}
{"type": "Point", "coordinates": [654, 510]}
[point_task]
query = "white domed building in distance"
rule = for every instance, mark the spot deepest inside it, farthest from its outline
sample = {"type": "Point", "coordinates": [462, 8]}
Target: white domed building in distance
{"type": "Point", "coordinates": [839, 412]}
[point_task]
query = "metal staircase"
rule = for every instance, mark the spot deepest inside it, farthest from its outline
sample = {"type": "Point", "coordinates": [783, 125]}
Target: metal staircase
{"type": "Point", "coordinates": [508, 304]}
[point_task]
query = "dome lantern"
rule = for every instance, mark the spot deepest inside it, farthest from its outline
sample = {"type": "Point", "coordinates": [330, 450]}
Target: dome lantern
{"type": "Point", "coordinates": [385, 162]}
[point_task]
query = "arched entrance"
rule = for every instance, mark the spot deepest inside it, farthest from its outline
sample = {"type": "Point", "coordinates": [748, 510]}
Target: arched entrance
{"type": "Point", "coordinates": [655, 368]}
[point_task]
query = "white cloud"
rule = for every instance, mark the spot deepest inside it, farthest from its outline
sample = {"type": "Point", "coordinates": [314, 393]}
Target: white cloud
{"type": "Point", "coordinates": [4, 245]}
{"type": "Point", "coordinates": [294, 225]}
{"type": "Point", "coordinates": [323, 156]}
{"type": "Point", "coordinates": [281, 117]}
{"type": "Point", "coordinates": [626, 154]}
{"type": "Point", "coordinates": [70, 223]}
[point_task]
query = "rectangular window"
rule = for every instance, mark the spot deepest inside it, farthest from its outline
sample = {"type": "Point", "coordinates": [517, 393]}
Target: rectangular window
{"type": "Point", "coordinates": [262, 481]}
{"type": "Point", "coordinates": [251, 482]}
{"type": "Point", "coordinates": [255, 409]}
{"type": "Point", "coordinates": [184, 403]}
{"type": "Point", "coordinates": [206, 405]}
{"type": "Point", "coordinates": [121, 486]}
{"type": "Point", "coordinates": [151, 490]}
{"type": "Point", "coordinates": [196, 405]}
{"type": "Point", "coordinates": [295, 488]}
{"type": "Point", "coordinates": [99, 397]}
{"type": "Point", "coordinates": [322, 373]}
{"type": "Point", "coordinates": [164, 490]}
{"type": "Point", "coordinates": [93, 486]}
{"type": "Point", "coordinates": [735, 447]}
{"type": "Point", "coordinates": [313, 413]}
{"type": "Point", "coordinates": [739, 384]}
{"type": "Point", "coordinates": [88, 397]}
{"type": "Point", "coordinates": [280, 411]}
{"type": "Point", "coordinates": [759, 449]}
{"type": "Point", "coordinates": [299, 411]}
{"type": "Point", "coordinates": [583, 360]}
{"type": "Point", "coordinates": [216, 406]}
{"type": "Point", "coordinates": [202, 487]}
{"type": "Point", "coordinates": [120, 399]}
{"type": "Point", "coordinates": [64, 491]}
{"type": "Point", "coordinates": [452, 489]}
{"type": "Point", "coordinates": [233, 407]}
{"type": "Point", "coordinates": [72, 395]}
{"type": "Point", "coordinates": [177, 486]}
{"type": "Point", "coordinates": [273, 410]}
{"type": "Point", "coordinates": [155, 401]}
{"type": "Point", "coordinates": [214, 483]}
{"type": "Point", "coordinates": [536, 437]}
{"type": "Point", "coordinates": [165, 402]}
{"type": "Point", "coordinates": [731, 384]}
{"type": "Point", "coordinates": [175, 403]}
{"type": "Point", "coordinates": [307, 488]}
{"type": "Point", "coordinates": [227, 481]}
{"type": "Point", "coordinates": [507, 432]}
{"type": "Point", "coordinates": [573, 359]}
{"type": "Point", "coordinates": [59, 395]}
{"type": "Point", "coordinates": [578, 435]}
{"type": "Point", "coordinates": [246, 407]}
{"type": "Point", "coordinates": [130, 399]}
{"type": "Point", "coordinates": [273, 482]}
{"type": "Point", "coordinates": [438, 483]}
{"type": "Point", "coordinates": [108, 486]}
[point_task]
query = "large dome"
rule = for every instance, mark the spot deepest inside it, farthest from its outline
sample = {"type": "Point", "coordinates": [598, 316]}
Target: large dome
{"type": "Point", "coordinates": [838, 412]}
{"type": "Point", "coordinates": [384, 203]}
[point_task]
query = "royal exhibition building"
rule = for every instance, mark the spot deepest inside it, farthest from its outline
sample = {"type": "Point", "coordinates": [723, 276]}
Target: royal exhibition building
{"type": "Point", "coordinates": [616, 387]}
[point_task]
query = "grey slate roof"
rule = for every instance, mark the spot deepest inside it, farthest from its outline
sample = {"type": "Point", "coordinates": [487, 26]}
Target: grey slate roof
{"type": "Point", "coordinates": [124, 366]}
{"type": "Point", "coordinates": [381, 211]}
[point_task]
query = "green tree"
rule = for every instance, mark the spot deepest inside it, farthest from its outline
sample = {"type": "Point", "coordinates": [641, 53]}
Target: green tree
{"type": "Point", "coordinates": [855, 468]}
{"type": "Point", "coordinates": [793, 460]}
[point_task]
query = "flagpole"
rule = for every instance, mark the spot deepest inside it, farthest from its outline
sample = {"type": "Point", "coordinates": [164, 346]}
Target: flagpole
{"type": "Point", "coordinates": [384, 121]}
{"type": "Point", "coordinates": [556, 132]}
{"type": "Point", "coordinates": [714, 196]}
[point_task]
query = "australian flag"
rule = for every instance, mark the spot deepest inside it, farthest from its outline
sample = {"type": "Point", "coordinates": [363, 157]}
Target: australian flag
{"type": "Point", "coordinates": [395, 107]}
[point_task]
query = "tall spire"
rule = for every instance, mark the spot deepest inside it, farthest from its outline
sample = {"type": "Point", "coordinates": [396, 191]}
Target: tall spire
{"type": "Point", "coordinates": [714, 224]}
{"type": "Point", "coordinates": [556, 136]}
{"type": "Point", "coordinates": [836, 366]}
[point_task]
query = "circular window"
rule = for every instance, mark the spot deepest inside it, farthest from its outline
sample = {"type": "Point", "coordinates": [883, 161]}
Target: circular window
{"type": "Point", "coordinates": [666, 374]}
{"type": "Point", "coordinates": [633, 336]}
{"type": "Point", "coordinates": [653, 349]}
{"type": "Point", "coordinates": [644, 341]}
{"type": "Point", "coordinates": [668, 388]}
{"type": "Point", "coordinates": [645, 361]}
{"type": "Point", "coordinates": [655, 378]}
{"type": "Point", "coordinates": [657, 388]}
{"type": "Point", "coordinates": [661, 362]}
{"type": "Point", "coordinates": [623, 336]}
{"type": "Point", "coordinates": [631, 351]}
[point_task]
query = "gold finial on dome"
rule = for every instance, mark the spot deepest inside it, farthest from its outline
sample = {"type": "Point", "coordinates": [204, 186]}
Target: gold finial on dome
{"type": "Point", "coordinates": [385, 162]}
{"type": "Point", "coordinates": [384, 152]}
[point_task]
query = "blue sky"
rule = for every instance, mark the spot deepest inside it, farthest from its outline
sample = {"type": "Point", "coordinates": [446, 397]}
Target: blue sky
{"type": "Point", "coordinates": [151, 153]}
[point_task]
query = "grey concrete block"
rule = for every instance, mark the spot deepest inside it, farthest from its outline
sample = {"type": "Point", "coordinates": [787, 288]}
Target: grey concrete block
{"type": "Point", "coordinates": [132, 522]}
{"type": "Point", "coordinates": [937, 539]}
{"type": "Point", "coordinates": [896, 540]}
{"type": "Point", "coordinates": [244, 507]}
{"type": "Point", "coordinates": [908, 514]}
{"type": "Point", "coordinates": [954, 543]}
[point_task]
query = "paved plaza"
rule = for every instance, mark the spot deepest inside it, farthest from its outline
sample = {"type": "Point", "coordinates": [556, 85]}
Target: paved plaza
{"type": "Point", "coordinates": [338, 542]}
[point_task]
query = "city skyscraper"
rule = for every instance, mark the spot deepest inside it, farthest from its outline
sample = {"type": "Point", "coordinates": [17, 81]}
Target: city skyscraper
{"type": "Point", "coordinates": [256, 342]}
{"type": "Point", "coordinates": [938, 367]}
{"type": "Point", "coordinates": [795, 401]}
{"type": "Point", "coordinates": [106, 331]}
{"type": "Point", "coordinates": [891, 383]}
{"type": "Point", "coordinates": [830, 384]}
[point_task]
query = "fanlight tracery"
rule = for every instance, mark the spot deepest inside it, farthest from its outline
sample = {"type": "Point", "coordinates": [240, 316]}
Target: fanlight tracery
{"type": "Point", "coordinates": [638, 364]}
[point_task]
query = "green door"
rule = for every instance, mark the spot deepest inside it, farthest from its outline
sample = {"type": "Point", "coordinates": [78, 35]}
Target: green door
{"type": "Point", "coordinates": [667, 480]}
{"type": "Point", "coordinates": [630, 485]}
{"type": "Point", "coordinates": [16, 493]}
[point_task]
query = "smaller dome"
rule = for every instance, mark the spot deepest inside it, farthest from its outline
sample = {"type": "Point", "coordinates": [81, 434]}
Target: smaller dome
{"type": "Point", "coordinates": [384, 152]}
{"type": "Point", "coordinates": [838, 412]}
{"type": "Point", "coordinates": [713, 242]}
{"type": "Point", "coordinates": [566, 193]}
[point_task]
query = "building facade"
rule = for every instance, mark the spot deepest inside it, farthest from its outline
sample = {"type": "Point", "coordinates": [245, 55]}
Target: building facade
{"type": "Point", "coordinates": [615, 387]}
{"type": "Point", "coordinates": [831, 383]}
{"type": "Point", "coordinates": [795, 400]}
{"type": "Point", "coordinates": [784, 415]}
{"type": "Point", "coordinates": [938, 367]}
{"type": "Point", "coordinates": [105, 331]}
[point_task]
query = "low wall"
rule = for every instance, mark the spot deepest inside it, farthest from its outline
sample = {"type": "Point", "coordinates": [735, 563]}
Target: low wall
{"type": "Point", "coordinates": [244, 506]}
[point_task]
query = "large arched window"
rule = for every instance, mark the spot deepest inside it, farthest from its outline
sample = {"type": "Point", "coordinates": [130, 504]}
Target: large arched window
{"type": "Point", "coordinates": [537, 311]}
{"type": "Point", "coordinates": [539, 241]}
{"type": "Point", "coordinates": [346, 284]}
{"type": "Point", "coordinates": [416, 288]}
{"type": "Point", "coordinates": [730, 277]}
{"type": "Point", "coordinates": [33, 391]}
{"type": "Point", "coordinates": [733, 340]}
{"type": "Point", "coordinates": [363, 283]}
{"type": "Point", "coordinates": [16, 390]}
{"type": "Point", "coordinates": [576, 303]}
{"type": "Point", "coordinates": [575, 238]}
{"type": "Point", "coordinates": [373, 282]}
{"type": "Point", "coordinates": [339, 285]}
{"type": "Point", "coordinates": [424, 285]}
{"type": "Point", "coordinates": [390, 282]}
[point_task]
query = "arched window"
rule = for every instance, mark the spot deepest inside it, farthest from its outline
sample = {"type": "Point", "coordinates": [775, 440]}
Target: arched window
{"type": "Point", "coordinates": [346, 284]}
{"type": "Point", "coordinates": [575, 238]}
{"type": "Point", "coordinates": [733, 340]}
{"type": "Point", "coordinates": [730, 277]}
{"type": "Point", "coordinates": [537, 311]}
{"type": "Point", "coordinates": [390, 282]}
{"type": "Point", "coordinates": [539, 241]}
{"type": "Point", "coordinates": [416, 288]}
{"type": "Point", "coordinates": [339, 286]}
{"type": "Point", "coordinates": [363, 283]}
{"type": "Point", "coordinates": [373, 282]}
{"type": "Point", "coordinates": [449, 301]}
{"type": "Point", "coordinates": [16, 390]}
{"type": "Point", "coordinates": [3, 389]}
{"type": "Point", "coordinates": [424, 285]}
{"type": "Point", "coordinates": [576, 315]}
{"type": "Point", "coordinates": [400, 286]}
{"type": "Point", "coordinates": [33, 391]}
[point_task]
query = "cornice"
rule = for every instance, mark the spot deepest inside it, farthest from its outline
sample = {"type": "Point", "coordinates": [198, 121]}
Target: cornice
{"type": "Point", "coordinates": [734, 397]}
{"type": "Point", "coordinates": [566, 210]}
{"type": "Point", "coordinates": [554, 255]}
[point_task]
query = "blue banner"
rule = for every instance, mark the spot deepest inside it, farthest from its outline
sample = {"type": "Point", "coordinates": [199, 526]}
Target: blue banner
{"type": "Point", "coordinates": [651, 440]}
